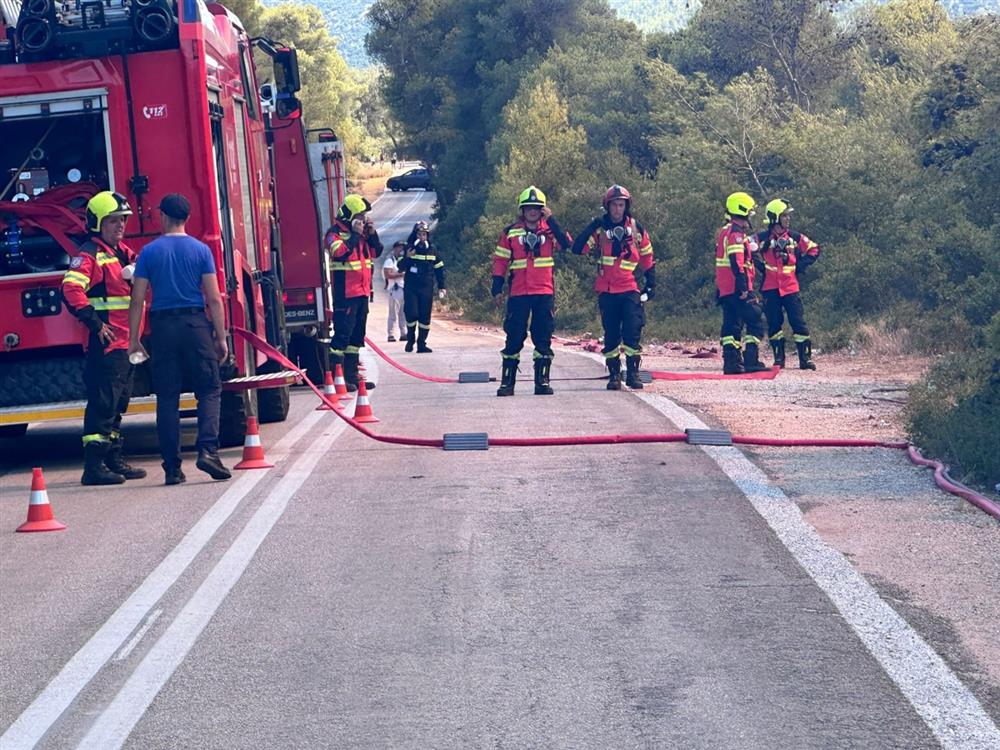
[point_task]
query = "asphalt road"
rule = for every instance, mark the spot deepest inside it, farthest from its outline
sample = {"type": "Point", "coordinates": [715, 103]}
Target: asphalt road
{"type": "Point", "coordinates": [369, 595]}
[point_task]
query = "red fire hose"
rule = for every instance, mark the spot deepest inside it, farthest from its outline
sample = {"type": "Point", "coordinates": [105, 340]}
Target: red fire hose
{"type": "Point", "coordinates": [940, 473]}
{"type": "Point", "coordinates": [948, 484]}
{"type": "Point", "coordinates": [406, 370]}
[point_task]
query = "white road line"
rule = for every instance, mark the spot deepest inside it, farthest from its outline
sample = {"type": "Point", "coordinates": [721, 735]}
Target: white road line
{"type": "Point", "coordinates": [116, 722]}
{"type": "Point", "coordinates": [948, 708]}
{"type": "Point", "coordinates": [43, 712]}
{"type": "Point", "coordinates": [153, 617]}
{"type": "Point", "coordinates": [395, 219]}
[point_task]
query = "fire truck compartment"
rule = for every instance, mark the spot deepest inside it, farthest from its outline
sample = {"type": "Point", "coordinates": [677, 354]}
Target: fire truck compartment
{"type": "Point", "coordinates": [46, 142]}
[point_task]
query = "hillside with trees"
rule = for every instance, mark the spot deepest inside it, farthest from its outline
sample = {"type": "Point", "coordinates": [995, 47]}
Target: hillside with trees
{"type": "Point", "coordinates": [348, 24]}
{"type": "Point", "coordinates": [334, 94]}
{"type": "Point", "coordinates": [879, 127]}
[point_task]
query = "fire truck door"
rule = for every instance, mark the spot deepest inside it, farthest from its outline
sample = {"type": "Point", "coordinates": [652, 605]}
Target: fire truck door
{"type": "Point", "coordinates": [222, 201]}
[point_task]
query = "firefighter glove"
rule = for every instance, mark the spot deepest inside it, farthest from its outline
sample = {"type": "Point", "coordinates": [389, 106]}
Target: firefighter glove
{"type": "Point", "coordinates": [89, 317]}
{"type": "Point", "coordinates": [497, 287]}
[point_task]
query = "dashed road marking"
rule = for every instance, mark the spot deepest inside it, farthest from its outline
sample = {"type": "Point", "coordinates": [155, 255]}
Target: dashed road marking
{"type": "Point", "coordinates": [57, 696]}
{"type": "Point", "coordinates": [112, 728]}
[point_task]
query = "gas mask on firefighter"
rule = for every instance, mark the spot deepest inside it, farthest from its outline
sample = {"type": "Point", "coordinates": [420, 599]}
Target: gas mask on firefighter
{"type": "Point", "coordinates": [532, 242]}
{"type": "Point", "coordinates": [781, 248]}
{"type": "Point", "coordinates": [620, 237]}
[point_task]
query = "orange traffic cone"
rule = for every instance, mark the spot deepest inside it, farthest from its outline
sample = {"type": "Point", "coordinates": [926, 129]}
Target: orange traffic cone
{"type": "Point", "coordinates": [253, 451]}
{"type": "Point", "coordinates": [39, 511]}
{"type": "Point", "coordinates": [330, 391]}
{"type": "Point", "coordinates": [340, 384]}
{"type": "Point", "coordinates": [363, 408]}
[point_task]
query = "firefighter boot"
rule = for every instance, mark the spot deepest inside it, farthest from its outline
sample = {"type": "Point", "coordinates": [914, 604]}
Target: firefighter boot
{"type": "Point", "coordinates": [805, 355]}
{"type": "Point", "coordinates": [731, 361]}
{"type": "Point", "coordinates": [115, 461]}
{"type": "Point", "coordinates": [751, 359]}
{"type": "Point", "coordinates": [614, 374]}
{"type": "Point", "coordinates": [94, 470]}
{"type": "Point", "coordinates": [351, 376]}
{"type": "Point", "coordinates": [508, 377]}
{"type": "Point", "coordinates": [632, 372]}
{"type": "Point", "coordinates": [411, 334]}
{"type": "Point", "coordinates": [422, 347]}
{"type": "Point", "coordinates": [779, 352]}
{"type": "Point", "coordinates": [542, 367]}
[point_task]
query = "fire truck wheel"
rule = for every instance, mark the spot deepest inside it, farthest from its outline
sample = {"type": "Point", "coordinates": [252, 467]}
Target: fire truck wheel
{"type": "Point", "coordinates": [11, 431]}
{"type": "Point", "coordinates": [233, 418]}
{"type": "Point", "coordinates": [307, 351]}
{"type": "Point", "coordinates": [42, 381]}
{"type": "Point", "coordinates": [272, 404]}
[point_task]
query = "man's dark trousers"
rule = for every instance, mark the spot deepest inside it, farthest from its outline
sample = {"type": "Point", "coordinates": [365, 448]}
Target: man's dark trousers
{"type": "Point", "coordinates": [108, 378]}
{"type": "Point", "coordinates": [539, 308]}
{"type": "Point", "coordinates": [738, 312]}
{"type": "Point", "coordinates": [775, 308]}
{"type": "Point", "coordinates": [183, 351]}
{"type": "Point", "coordinates": [350, 320]}
{"type": "Point", "coordinates": [622, 318]}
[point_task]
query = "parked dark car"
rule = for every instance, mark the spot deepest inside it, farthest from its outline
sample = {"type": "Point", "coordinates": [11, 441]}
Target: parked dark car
{"type": "Point", "coordinates": [412, 178]}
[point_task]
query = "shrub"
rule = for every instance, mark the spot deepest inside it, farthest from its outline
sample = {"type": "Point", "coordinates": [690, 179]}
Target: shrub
{"type": "Point", "coordinates": [954, 412]}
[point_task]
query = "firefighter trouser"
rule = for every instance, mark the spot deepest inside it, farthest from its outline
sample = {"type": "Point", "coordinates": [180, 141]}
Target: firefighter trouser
{"type": "Point", "coordinates": [539, 309]}
{"type": "Point", "coordinates": [108, 378]}
{"type": "Point", "coordinates": [737, 313]}
{"type": "Point", "coordinates": [350, 319]}
{"type": "Point", "coordinates": [623, 318]}
{"type": "Point", "coordinates": [183, 352]}
{"type": "Point", "coordinates": [417, 305]}
{"type": "Point", "coordinates": [776, 307]}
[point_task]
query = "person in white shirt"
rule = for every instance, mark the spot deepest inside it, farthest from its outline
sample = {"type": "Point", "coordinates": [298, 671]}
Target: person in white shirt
{"type": "Point", "coordinates": [394, 279]}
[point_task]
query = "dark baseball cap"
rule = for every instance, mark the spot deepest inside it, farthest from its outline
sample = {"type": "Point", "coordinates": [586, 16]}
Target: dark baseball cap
{"type": "Point", "coordinates": [176, 206]}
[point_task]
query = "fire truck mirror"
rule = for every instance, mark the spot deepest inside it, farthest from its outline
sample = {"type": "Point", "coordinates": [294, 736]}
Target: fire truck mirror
{"type": "Point", "coordinates": [288, 108]}
{"type": "Point", "coordinates": [286, 71]}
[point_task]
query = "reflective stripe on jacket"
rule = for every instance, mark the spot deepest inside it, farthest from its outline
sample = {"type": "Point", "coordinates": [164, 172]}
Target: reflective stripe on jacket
{"type": "Point", "coordinates": [422, 268]}
{"type": "Point", "coordinates": [351, 260]}
{"type": "Point", "coordinates": [530, 268]}
{"type": "Point", "coordinates": [783, 254]}
{"type": "Point", "coordinates": [618, 257]}
{"type": "Point", "coordinates": [733, 258]}
{"type": "Point", "coordinates": [95, 291]}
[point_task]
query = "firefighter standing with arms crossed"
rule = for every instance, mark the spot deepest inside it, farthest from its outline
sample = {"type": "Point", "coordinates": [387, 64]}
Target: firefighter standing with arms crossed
{"type": "Point", "coordinates": [421, 267]}
{"type": "Point", "coordinates": [734, 277]}
{"type": "Point", "coordinates": [353, 244]}
{"type": "Point", "coordinates": [98, 290]}
{"type": "Point", "coordinates": [782, 256]}
{"type": "Point", "coordinates": [525, 252]}
{"type": "Point", "coordinates": [621, 245]}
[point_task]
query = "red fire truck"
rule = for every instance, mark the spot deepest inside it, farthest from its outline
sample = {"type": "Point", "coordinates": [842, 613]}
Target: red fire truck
{"type": "Point", "coordinates": [145, 97]}
{"type": "Point", "coordinates": [311, 184]}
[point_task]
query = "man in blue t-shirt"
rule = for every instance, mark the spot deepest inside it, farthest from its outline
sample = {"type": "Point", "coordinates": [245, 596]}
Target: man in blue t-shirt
{"type": "Point", "coordinates": [181, 272]}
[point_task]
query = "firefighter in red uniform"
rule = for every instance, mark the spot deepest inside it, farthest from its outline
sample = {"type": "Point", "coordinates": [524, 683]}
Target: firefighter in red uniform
{"type": "Point", "coordinates": [782, 256]}
{"type": "Point", "coordinates": [353, 244]}
{"type": "Point", "coordinates": [97, 291]}
{"type": "Point", "coordinates": [621, 245]}
{"type": "Point", "coordinates": [525, 252]}
{"type": "Point", "coordinates": [734, 276]}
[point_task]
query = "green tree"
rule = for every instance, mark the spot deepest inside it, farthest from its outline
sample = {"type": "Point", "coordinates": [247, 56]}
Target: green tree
{"type": "Point", "coordinates": [796, 41]}
{"type": "Point", "coordinates": [329, 88]}
{"type": "Point", "coordinates": [452, 66]}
